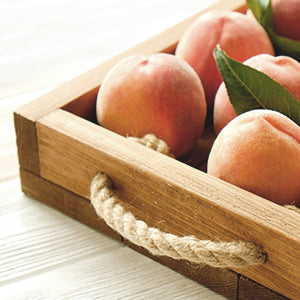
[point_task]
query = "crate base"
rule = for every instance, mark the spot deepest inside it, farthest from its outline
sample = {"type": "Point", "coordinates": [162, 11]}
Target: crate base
{"type": "Point", "coordinates": [223, 281]}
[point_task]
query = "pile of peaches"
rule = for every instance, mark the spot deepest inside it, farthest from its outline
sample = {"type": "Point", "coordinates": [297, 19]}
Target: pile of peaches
{"type": "Point", "coordinates": [171, 95]}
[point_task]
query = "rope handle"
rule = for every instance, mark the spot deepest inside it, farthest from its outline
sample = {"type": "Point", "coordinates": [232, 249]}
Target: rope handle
{"type": "Point", "coordinates": [236, 254]}
{"type": "Point", "coordinates": [152, 142]}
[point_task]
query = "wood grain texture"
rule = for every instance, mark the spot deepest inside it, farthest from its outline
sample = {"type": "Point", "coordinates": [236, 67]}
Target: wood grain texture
{"type": "Point", "coordinates": [26, 143]}
{"type": "Point", "coordinates": [171, 195]}
{"type": "Point", "coordinates": [85, 86]}
{"type": "Point", "coordinates": [90, 80]}
{"type": "Point", "coordinates": [225, 282]}
{"type": "Point", "coordinates": [98, 277]}
{"type": "Point", "coordinates": [9, 167]}
{"type": "Point", "coordinates": [28, 250]}
{"type": "Point", "coordinates": [222, 281]}
{"type": "Point", "coordinates": [62, 259]}
{"type": "Point", "coordinates": [156, 189]}
{"type": "Point", "coordinates": [44, 46]}
{"type": "Point", "coordinates": [250, 290]}
{"type": "Point", "coordinates": [46, 255]}
{"type": "Point", "coordinates": [65, 201]}
{"type": "Point", "coordinates": [43, 253]}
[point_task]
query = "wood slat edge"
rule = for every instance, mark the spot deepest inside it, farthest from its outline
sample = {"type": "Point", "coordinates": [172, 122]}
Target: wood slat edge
{"type": "Point", "coordinates": [64, 201]}
{"type": "Point", "coordinates": [85, 86]}
{"type": "Point", "coordinates": [87, 82]}
{"type": "Point", "coordinates": [223, 281]}
{"type": "Point", "coordinates": [26, 143]}
{"type": "Point", "coordinates": [250, 290]}
{"type": "Point", "coordinates": [154, 186]}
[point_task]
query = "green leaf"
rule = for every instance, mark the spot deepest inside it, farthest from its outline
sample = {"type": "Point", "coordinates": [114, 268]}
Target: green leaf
{"type": "Point", "coordinates": [263, 12]}
{"type": "Point", "coordinates": [284, 46]}
{"type": "Point", "coordinates": [249, 88]}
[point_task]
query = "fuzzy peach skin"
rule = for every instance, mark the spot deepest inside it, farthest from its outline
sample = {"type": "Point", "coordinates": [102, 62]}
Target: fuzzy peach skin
{"type": "Point", "coordinates": [259, 151]}
{"type": "Point", "coordinates": [159, 94]}
{"type": "Point", "coordinates": [283, 69]}
{"type": "Point", "coordinates": [239, 35]}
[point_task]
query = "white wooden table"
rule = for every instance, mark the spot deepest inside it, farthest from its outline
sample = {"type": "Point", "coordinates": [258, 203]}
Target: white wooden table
{"type": "Point", "coordinates": [43, 253]}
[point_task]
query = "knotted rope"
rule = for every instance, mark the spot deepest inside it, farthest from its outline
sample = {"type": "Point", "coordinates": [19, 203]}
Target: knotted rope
{"type": "Point", "coordinates": [237, 254]}
{"type": "Point", "coordinates": [152, 142]}
{"type": "Point", "coordinates": [293, 208]}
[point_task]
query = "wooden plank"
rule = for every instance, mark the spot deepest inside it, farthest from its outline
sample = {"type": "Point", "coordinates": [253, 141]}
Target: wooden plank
{"type": "Point", "coordinates": [171, 195]}
{"type": "Point", "coordinates": [36, 240]}
{"type": "Point", "coordinates": [120, 274]}
{"type": "Point", "coordinates": [85, 86]}
{"type": "Point", "coordinates": [250, 290]}
{"type": "Point", "coordinates": [65, 201]}
{"type": "Point", "coordinates": [26, 142]}
{"type": "Point", "coordinates": [86, 83]}
{"type": "Point", "coordinates": [221, 281]}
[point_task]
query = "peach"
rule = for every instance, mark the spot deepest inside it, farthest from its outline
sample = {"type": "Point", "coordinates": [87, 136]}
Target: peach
{"type": "Point", "coordinates": [283, 69]}
{"type": "Point", "coordinates": [239, 35]}
{"type": "Point", "coordinates": [259, 151]}
{"type": "Point", "coordinates": [159, 94]}
{"type": "Point", "coordinates": [286, 18]}
{"type": "Point", "coordinates": [286, 21]}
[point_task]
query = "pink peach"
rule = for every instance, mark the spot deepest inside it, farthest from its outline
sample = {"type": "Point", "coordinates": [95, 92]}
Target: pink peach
{"type": "Point", "coordinates": [159, 94]}
{"type": "Point", "coordinates": [283, 69]}
{"type": "Point", "coordinates": [286, 21]}
{"type": "Point", "coordinates": [239, 35]}
{"type": "Point", "coordinates": [259, 151]}
{"type": "Point", "coordinates": [286, 16]}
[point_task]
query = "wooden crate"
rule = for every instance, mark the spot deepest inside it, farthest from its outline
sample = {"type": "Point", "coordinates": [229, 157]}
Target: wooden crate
{"type": "Point", "coordinates": [61, 148]}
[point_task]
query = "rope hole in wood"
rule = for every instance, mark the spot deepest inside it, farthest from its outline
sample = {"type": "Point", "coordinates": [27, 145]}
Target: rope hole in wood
{"type": "Point", "coordinates": [236, 254]}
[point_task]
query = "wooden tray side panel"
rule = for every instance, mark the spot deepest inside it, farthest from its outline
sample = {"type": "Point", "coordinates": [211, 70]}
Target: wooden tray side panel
{"type": "Point", "coordinates": [64, 201]}
{"type": "Point", "coordinates": [171, 195]}
{"type": "Point", "coordinates": [26, 143]}
{"type": "Point", "coordinates": [250, 290]}
{"type": "Point", "coordinates": [223, 281]}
